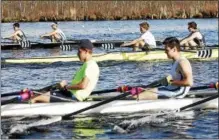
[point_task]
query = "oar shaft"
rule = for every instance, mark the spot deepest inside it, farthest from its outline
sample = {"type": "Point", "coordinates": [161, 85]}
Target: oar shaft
{"type": "Point", "coordinates": [199, 102]}
{"type": "Point", "coordinates": [9, 101]}
{"type": "Point", "coordinates": [47, 88]}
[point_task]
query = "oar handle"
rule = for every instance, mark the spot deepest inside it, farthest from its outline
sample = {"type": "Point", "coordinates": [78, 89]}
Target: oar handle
{"type": "Point", "coordinates": [211, 85]}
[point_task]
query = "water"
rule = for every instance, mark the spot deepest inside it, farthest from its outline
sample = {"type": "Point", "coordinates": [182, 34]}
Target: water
{"type": "Point", "coordinates": [113, 74]}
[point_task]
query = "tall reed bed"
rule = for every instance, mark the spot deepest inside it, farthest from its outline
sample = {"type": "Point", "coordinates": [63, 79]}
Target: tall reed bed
{"type": "Point", "coordinates": [105, 10]}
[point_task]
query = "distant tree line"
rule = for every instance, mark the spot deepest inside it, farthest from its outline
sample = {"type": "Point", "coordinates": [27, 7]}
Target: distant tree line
{"type": "Point", "coordinates": [105, 10]}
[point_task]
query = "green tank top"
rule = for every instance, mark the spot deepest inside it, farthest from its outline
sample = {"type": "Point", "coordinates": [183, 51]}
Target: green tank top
{"type": "Point", "coordinates": [80, 74]}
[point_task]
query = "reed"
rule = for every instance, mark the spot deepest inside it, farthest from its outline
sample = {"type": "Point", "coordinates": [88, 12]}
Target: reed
{"type": "Point", "coordinates": [105, 10]}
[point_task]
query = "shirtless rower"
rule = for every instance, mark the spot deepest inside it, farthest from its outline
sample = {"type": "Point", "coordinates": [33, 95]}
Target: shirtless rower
{"type": "Point", "coordinates": [179, 81]}
{"type": "Point", "coordinates": [145, 41]}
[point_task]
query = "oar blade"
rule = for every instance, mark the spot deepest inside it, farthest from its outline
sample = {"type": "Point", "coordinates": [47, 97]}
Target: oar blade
{"type": "Point", "coordinates": [207, 53]}
{"type": "Point", "coordinates": [25, 44]}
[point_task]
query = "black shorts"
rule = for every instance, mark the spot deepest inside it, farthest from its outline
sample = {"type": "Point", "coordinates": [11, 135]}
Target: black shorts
{"type": "Point", "coordinates": [63, 96]}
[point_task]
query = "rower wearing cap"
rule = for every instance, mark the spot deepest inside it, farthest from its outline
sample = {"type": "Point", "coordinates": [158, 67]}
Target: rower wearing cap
{"type": "Point", "coordinates": [194, 39]}
{"type": "Point", "coordinates": [56, 35]}
{"type": "Point", "coordinates": [84, 81]}
{"type": "Point", "coordinates": [179, 81]}
{"type": "Point", "coordinates": [145, 41]}
{"type": "Point", "coordinates": [18, 34]}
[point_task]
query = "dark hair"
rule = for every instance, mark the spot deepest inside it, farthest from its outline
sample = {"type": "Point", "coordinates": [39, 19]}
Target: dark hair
{"type": "Point", "coordinates": [145, 25]}
{"type": "Point", "coordinates": [16, 24]}
{"type": "Point", "coordinates": [192, 25]}
{"type": "Point", "coordinates": [172, 42]}
{"type": "Point", "coordinates": [86, 44]}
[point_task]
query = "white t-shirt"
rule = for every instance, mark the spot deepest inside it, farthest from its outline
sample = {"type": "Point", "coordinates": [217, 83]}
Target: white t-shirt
{"type": "Point", "coordinates": [149, 38]}
{"type": "Point", "coordinates": [90, 69]}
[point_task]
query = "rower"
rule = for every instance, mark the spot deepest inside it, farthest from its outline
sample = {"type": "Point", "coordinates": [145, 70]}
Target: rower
{"type": "Point", "coordinates": [18, 34]}
{"type": "Point", "coordinates": [56, 35]}
{"type": "Point", "coordinates": [83, 82]}
{"type": "Point", "coordinates": [194, 39]}
{"type": "Point", "coordinates": [146, 41]}
{"type": "Point", "coordinates": [178, 83]}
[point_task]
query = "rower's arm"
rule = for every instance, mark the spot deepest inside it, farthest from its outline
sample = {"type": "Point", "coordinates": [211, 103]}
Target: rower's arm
{"type": "Point", "coordinates": [187, 39]}
{"type": "Point", "coordinates": [132, 42]}
{"type": "Point", "coordinates": [11, 36]}
{"type": "Point", "coordinates": [186, 70]}
{"type": "Point", "coordinates": [81, 85]}
{"type": "Point", "coordinates": [49, 34]}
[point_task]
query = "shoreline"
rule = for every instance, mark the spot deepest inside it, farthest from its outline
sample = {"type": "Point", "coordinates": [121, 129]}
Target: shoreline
{"type": "Point", "coordinates": [22, 21]}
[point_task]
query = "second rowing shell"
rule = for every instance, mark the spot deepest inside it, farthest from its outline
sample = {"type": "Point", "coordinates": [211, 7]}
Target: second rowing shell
{"type": "Point", "coordinates": [119, 56]}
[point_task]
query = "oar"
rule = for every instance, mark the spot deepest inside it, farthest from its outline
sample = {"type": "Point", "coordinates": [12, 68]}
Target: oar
{"type": "Point", "coordinates": [201, 53]}
{"type": "Point", "coordinates": [198, 102]}
{"type": "Point", "coordinates": [207, 86]}
{"type": "Point", "coordinates": [17, 98]}
{"type": "Point", "coordinates": [59, 118]}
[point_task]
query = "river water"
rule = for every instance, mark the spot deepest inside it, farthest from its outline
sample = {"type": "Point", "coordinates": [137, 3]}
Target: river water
{"type": "Point", "coordinates": [16, 77]}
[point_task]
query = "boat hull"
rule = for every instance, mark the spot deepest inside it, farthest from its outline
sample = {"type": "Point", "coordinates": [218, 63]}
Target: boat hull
{"type": "Point", "coordinates": [118, 106]}
{"type": "Point", "coordinates": [156, 55]}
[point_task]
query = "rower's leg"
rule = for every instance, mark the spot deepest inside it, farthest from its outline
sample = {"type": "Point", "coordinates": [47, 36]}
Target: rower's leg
{"type": "Point", "coordinates": [57, 38]}
{"type": "Point", "coordinates": [15, 38]}
{"type": "Point", "coordinates": [137, 45]}
{"type": "Point", "coordinates": [45, 98]}
{"type": "Point", "coordinates": [141, 43]}
{"type": "Point", "coordinates": [148, 94]}
{"type": "Point", "coordinates": [53, 39]}
{"type": "Point", "coordinates": [192, 44]}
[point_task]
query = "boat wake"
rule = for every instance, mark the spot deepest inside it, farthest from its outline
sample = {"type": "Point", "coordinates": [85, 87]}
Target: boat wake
{"type": "Point", "coordinates": [21, 128]}
{"type": "Point", "coordinates": [128, 126]}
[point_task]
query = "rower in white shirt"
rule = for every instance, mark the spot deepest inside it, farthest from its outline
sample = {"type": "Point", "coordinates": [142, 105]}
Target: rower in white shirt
{"type": "Point", "coordinates": [145, 41]}
{"type": "Point", "coordinates": [56, 35]}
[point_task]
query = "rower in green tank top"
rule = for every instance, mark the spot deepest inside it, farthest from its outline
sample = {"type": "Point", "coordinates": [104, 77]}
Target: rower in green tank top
{"type": "Point", "coordinates": [84, 81]}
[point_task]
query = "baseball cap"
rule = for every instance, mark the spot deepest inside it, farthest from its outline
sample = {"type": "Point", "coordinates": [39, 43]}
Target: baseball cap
{"type": "Point", "coordinates": [54, 23]}
{"type": "Point", "coordinates": [86, 43]}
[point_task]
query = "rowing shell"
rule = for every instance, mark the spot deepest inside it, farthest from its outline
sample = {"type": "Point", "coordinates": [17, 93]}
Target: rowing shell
{"type": "Point", "coordinates": [153, 55]}
{"type": "Point", "coordinates": [118, 106]}
{"type": "Point", "coordinates": [67, 45]}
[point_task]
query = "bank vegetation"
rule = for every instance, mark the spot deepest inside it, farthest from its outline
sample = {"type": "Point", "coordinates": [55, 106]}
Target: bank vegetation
{"type": "Point", "coordinates": [105, 10]}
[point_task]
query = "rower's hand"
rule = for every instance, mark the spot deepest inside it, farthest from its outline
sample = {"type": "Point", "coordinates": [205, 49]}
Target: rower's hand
{"type": "Point", "coordinates": [122, 45]}
{"type": "Point", "coordinates": [136, 90]}
{"type": "Point", "coordinates": [216, 85]}
{"type": "Point", "coordinates": [166, 81]}
{"type": "Point", "coordinates": [123, 89]}
{"type": "Point", "coordinates": [63, 83]}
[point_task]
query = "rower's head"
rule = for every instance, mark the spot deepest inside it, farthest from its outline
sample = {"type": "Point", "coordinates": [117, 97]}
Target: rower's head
{"type": "Point", "coordinates": [144, 26]}
{"type": "Point", "coordinates": [85, 50]}
{"type": "Point", "coordinates": [192, 26]}
{"type": "Point", "coordinates": [54, 25]}
{"type": "Point", "coordinates": [171, 46]}
{"type": "Point", "coordinates": [16, 25]}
